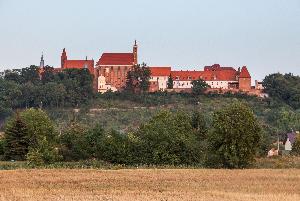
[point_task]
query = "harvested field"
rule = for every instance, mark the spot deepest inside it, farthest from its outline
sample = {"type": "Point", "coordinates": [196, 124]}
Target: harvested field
{"type": "Point", "coordinates": [150, 184]}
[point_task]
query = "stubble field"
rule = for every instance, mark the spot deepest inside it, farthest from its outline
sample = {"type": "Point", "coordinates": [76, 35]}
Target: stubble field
{"type": "Point", "coordinates": [150, 184]}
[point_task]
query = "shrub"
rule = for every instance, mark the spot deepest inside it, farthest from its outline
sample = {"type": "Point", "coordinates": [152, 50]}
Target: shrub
{"type": "Point", "coordinates": [296, 146]}
{"type": "Point", "coordinates": [115, 147]}
{"type": "Point", "coordinates": [42, 155]}
{"type": "Point", "coordinates": [74, 145]}
{"type": "Point", "coordinates": [31, 135]}
{"type": "Point", "coordinates": [168, 139]}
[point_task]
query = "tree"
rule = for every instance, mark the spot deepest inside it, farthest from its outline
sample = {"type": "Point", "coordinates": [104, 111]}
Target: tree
{"type": "Point", "coordinates": [42, 138]}
{"type": "Point", "coordinates": [283, 87]}
{"type": "Point", "coordinates": [9, 96]}
{"type": "Point", "coordinates": [199, 124]}
{"type": "Point", "coordinates": [48, 74]}
{"type": "Point", "coordinates": [170, 82]}
{"type": "Point", "coordinates": [14, 75]}
{"type": "Point", "coordinates": [115, 147]}
{"type": "Point", "coordinates": [74, 145]}
{"type": "Point", "coordinates": [78, 85]}
{"type": "Point", "coordinates": [31, 74]}
{"type": "Point", "coordinates": [138, 79]}
{"type": "Point", "coordinates": [168, 139]}
{"type": "Point", "coordinates": [199, 86]}
{"type": "Point", "coordinates": [235, 137]}
{"type": "Point", "coordinates": [296, 146]}
{"type": "Point", "coordinates": [16, 139]}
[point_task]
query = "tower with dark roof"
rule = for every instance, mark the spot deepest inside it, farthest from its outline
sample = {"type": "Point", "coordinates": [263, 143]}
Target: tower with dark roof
{"type": "Point", "coordinates": [42, 62]}
{"type": "Point", "coordinates": [64, 58]}
{"type": "Point", "coordinates": [135, 53]}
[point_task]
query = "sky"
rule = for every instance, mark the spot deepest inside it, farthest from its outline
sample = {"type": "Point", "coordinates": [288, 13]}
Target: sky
{"type": "Point", "coordinates": [264, 35]}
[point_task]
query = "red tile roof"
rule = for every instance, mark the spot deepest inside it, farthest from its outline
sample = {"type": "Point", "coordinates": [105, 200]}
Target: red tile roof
{"type": "Point", "coordinates": [223, 75]}
{"type": "Point", "coordinates": [186, 75]}
{"type": "Point", "coordinates": [245, 73]}
{"type": "Point", "coordinates": [79, 64]}
{"type": "Point", "coordinates": [160, 71]}
{"type": "Point", "coordinates": [209, 74]}
{"type": "Point", "coordinates": [116, 59]}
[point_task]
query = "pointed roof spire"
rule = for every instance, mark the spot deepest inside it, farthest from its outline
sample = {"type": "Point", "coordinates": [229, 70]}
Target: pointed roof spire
{"type": "Point", "coordinates": [245, 73]}
{"type": "Point", "coordinates": [135, 43]}
{"type": "Point", "coordinates": [42, 62]}
{"type": "Point", "coordinates": [86, 58]}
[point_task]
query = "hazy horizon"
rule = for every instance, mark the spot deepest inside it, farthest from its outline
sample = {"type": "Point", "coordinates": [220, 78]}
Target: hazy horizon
{"type": "Point", "coordinates": [187, 35]}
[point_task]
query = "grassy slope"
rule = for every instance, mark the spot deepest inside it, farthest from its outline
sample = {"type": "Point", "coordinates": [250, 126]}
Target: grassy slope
{"type": "Point", "coordinates": [124, 114]}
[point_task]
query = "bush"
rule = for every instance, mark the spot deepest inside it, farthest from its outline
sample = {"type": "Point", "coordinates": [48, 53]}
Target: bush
{"type": "Point", "coordinates": [74, 145]}
{"type": "Point", "coordinates": [31, 135]}
{"type": "Point", "coordinates": [42, 155]}
{"type": "Point", "coordinates": [235, 137]}
{"type": "Point", "coordinates": [2, 145]}
{"type": "Point", "coordinates": [296, 146]}
{"type": "Point", "coordinates": [168, 139]}
{"type": "Point", "coordinates": [115, 147]}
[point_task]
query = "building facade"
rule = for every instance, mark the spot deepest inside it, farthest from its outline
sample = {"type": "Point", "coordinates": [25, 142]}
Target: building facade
{"type": "Point", "coordinates": [159, 78]}
{"type": "Point", "coordinates": [112, 68]}
{"type": "Point", "coordinates": [77, 64]}
{"type": "Point", "coordinates": [217, 77]}
{"type": "Point", "coordinates": [110, 74]}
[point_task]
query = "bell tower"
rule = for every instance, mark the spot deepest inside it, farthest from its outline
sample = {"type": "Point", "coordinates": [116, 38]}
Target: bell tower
{"type": "Point", "coordinates": [135, 53]}
{"type": "Point", "coordinates": [42, 62]}
{"type": "Point", "coordinates": [63, 57]}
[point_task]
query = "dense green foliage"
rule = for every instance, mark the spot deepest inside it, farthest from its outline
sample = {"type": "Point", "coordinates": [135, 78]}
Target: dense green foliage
{"type": "Point", "coordinates": [296, 146]}
{"type": "Point", "coordinates": [284, 87]}
{"type": "Point", "coordinates": [137, 79]}
{"type": "Point", "coordinates": [29, 88]}
{"type": "Point", "coordinates": [170, 82]}
{"type": "Point", "coordinates": [169, 139]}
{"type": "Point", "coordinates": [16, 139]}
{"type": "Point", "coordinates": [199, 86]}
{"type": "Point", "coordinates": [234, 138]}
{"type": "Point", "coordinates": [30, 135]}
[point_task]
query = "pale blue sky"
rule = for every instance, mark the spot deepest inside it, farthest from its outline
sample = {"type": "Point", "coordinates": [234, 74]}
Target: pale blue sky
{"type": "Point", "coordinates": [184, 34]}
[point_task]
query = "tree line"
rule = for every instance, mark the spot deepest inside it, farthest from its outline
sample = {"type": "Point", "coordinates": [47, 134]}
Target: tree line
{"type": "Point", "coordinates": [30, 87]}
{"type": "Point", "coordinates": [169, 138]}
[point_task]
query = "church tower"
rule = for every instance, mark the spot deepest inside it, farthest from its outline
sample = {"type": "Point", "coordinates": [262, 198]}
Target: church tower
{"type": "Point", "coordinates": [63, 58]}
{"type": "Point", "coordinates": [42, 62]}
{"type": "Point", "coordinates": [135, 53]}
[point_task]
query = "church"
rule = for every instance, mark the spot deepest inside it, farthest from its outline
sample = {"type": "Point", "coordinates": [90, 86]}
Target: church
{"type": "Point", "coordinates": [112, 68]}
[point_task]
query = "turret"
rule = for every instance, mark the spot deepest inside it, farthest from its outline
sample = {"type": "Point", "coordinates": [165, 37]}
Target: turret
{"type": "Point", "coordinates": [42, 62]}
{"type": "Point", "coordinates": [63, 58]}
{"type": "Point", "coordinates": [135, 53]}
{"type": "Point", "coordinates": [244, 79]}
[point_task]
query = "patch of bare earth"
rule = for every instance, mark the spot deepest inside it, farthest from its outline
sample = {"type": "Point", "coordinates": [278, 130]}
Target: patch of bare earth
{"type": "Point", "coordinates": [150, 184]}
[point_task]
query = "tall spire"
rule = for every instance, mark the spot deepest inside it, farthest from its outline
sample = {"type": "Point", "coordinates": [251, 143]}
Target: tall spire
{"type": "Point", "coordinates": [42, 62]}
{"type": "Point", "coordinates": [63, 58]}
{"type": "Point", "coordinates": [135, 53]}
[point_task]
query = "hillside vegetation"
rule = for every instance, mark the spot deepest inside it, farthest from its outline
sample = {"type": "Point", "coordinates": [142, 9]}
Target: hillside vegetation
{"type": "Point", "coordinates": [67, 121]}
